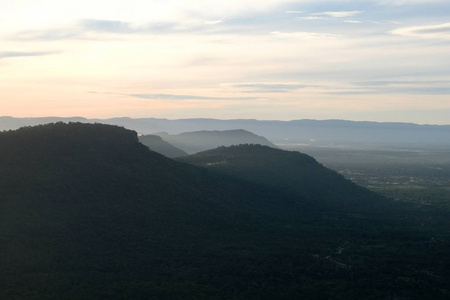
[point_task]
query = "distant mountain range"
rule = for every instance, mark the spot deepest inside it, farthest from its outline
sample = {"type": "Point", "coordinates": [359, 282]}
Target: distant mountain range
{"type": "Point", "coordinates": [193, 142]}
{"type": "Point", "coordinates": [88, 212]}
{"type": "Point", "coordinates": [330, 133]}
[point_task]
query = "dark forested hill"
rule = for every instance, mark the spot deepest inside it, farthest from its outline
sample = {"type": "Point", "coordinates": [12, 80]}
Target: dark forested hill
{"type": "Point", "coordinates": [157, 144]}
{"type": "Point", "coordinates": [292, 172]}
{"type": "Point", "coordinates": [88, 212]}
{"type": "Point", "coordinates": [197, 141]}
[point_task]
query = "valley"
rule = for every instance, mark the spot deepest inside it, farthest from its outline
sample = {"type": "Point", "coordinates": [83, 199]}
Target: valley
{"type": "Point", "coordinates": [419, 176]}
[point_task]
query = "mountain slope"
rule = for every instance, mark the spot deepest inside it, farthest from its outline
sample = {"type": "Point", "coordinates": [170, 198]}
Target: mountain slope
{"type": "Point", "coordinates": [290, 171]}
{"type": "Point", "coordinates": [157, 144]}
{"type": "Point", "coordinates": [197, 141]}
{"type": "Point", "coordinates": [87, 208]}
{"type": "Point", "coordinates": [88, 212]}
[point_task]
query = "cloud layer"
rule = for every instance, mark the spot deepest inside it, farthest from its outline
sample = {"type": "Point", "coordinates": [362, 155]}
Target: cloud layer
{"type": "Point", "coordinates": [275, 59]}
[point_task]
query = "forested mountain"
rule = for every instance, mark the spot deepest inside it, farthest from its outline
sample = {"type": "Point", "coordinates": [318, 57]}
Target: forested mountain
{"type": "Point", "coordinates": [88, 212]}
{"type": "Point", "coordinates": [291, 172]}
{"type": "Point", "coordinates": [193, 142]}
{"type": "Point", "coordinates": [157, 144]}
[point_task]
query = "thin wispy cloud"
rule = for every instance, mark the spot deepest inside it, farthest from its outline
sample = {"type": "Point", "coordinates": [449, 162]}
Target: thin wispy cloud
{"type": "Point", "coordinates": [437, 87]}
{"type": "Point", "coordinates": [186, 97]}
{"type": "Point", "coordinates": [52, 34]}
{"type": "Point", "coordinates": [309, 18]}
{"type": "Point", "coordinates": [332, 15]}
{"type": "Point", "coordinates": [108, 26]}
{"type": "Point", "coordinates": [337, 14]}
{"type": "Point", "coordinates": [304, 34]}
{"type": "Point", "coordinates": [213, 22]}
{"type": "Point", "coordinates": [408, 2]}
{"type": "Point", "coordinates": [9, 54]}
{"type": "Point", "coordinates": [441, 31]}
{"type": "Point", "coordinates": [396, 90]}
{"type": "Point", "coordinates": [85, 28]}
{"type": "Point", "coordinates": [255, 87]}
{"type": "Point", "coordinates": [402, 82]}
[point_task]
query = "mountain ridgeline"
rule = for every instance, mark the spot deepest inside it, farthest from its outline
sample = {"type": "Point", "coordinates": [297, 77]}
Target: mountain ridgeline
{"type": "Point", "coordinates": [330, 133]}
{"type": "Point", "coordinates": [157, 144]}
{"type": "Point", "coordinates": [193, 142]}
{"type": "Point", "coordinates": [88, 212]}
{"type": "Point", "coordinates": [291, 172]}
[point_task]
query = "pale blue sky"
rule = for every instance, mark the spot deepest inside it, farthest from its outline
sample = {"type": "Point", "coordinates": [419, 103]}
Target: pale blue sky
{"type": "Point", "coordinates": [359, 60]}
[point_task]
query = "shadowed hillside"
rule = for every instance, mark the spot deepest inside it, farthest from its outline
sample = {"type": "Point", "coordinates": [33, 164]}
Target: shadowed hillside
{"type": "Point", "coordinates": [157, 144]}
{"type": "Point", "coordinates": [88, 212]}
{"type": "Point", "coordinates": [292, 172]}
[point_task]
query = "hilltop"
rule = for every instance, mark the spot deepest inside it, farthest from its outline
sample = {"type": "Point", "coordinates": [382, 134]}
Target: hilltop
{"type": "Point", "coordinates": [291, 172]}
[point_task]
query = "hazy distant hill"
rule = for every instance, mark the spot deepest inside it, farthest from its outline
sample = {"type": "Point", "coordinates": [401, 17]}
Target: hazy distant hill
{"type": "Point", "coordinates": [88, 212]}
{"type": "Point", "coordinates": [336, 133]}
{"type": "Point", "coordinates": [157, 144]}
{"type": "Point", "coordinates": [197, 141]}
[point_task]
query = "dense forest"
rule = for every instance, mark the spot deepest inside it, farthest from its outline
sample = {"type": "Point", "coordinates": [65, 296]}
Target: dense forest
{"type": "Point", "coordinates": [88, 212]}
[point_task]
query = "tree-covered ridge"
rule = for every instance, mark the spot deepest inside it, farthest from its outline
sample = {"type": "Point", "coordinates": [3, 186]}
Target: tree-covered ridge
{"type": "Point", "coordinates": [290, 171]}
{"type": "Point", "coordinates": [87, 212]}
{"type": "Point", "coordinates": [65, 152]}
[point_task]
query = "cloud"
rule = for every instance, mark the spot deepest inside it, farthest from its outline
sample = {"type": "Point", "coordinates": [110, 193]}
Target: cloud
{"type": "Point", "coordinates": [327, 15]}
{"type": "Point", "coordinates": [309, 18]}
{"type": "Point", "coordinates": [187, 97]}
{"type": "Point", "coordinates": [396, 87]}
{"type": "Point", "coordinates": [119, 27]}
{"type": "Point", "coordinates": [47, 35]}
{"type": "Point", "coordinates": [85, 28]}
{"type": "Point", "coordinates": [408, 2]}
{"type": "Point", "coordinates": [304, 34]}
{"type": "Point", "coordinates": [397, 82]}
{"type": "Point", "coordinates": [397, 90]}
{"type": "Point", "coordinates": [24, 54]}
{"type": "Point", "coordinates": [441, 31]}
{"type": "Point", "coordinates": [338, 14]}
{"type": "Point", "coordinates": [107, 26]}
{"type": "Point", "coordinates": [213, 22]}
{"type": "Point", "coordinates": [294, 12]}
{"type": "Point", "coordinates": [270, 87]}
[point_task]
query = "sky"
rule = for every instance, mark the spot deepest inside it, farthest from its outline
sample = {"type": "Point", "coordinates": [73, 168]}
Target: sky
{"type": "Point", "coordinates": [375, 60]}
